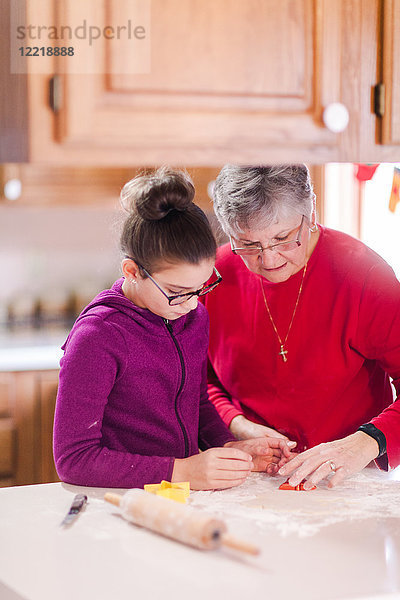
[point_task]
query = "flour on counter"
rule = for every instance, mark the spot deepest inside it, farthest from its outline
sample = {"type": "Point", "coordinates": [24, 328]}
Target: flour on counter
{"type": "Point", "coordinates": [259, 502]}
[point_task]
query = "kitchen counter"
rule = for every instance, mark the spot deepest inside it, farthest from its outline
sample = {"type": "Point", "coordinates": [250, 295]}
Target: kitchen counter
{"type": "Point", "coordinates": [31, 350]}
{"type": "Point", "coordinates": [324, 544]}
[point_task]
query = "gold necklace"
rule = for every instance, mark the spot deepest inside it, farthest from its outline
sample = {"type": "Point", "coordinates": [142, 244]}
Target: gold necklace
{"type": "Point", "coordinates": [283, 352]}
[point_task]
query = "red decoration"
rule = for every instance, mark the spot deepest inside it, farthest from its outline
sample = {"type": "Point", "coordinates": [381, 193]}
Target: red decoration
{"type": "Point", "coordinates": [365, 172]}
{"type": "Point", "coordinates": [395, 193]}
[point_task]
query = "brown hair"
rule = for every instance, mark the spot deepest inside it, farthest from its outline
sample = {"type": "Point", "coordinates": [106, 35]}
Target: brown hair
{"type": "Point", "coordinates": [163, 222]}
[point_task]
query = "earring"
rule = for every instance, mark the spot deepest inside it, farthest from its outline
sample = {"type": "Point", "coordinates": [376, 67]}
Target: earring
{"type": "Point", "coordinates": [132, 281]}
{"type": "Point", "coordinates": [314, 228]}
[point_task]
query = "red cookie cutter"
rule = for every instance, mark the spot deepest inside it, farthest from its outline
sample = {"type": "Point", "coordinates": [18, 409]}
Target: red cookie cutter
{"type": "Point", "coordinates": [298, 488]}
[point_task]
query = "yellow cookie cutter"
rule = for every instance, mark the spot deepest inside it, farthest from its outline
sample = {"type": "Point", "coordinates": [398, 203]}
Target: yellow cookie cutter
{"type": "Point", "coordinates": [179, 491]}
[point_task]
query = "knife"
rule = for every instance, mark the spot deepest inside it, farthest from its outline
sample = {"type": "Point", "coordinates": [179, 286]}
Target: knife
{"type": "Point", "coordinates": [76, 507]}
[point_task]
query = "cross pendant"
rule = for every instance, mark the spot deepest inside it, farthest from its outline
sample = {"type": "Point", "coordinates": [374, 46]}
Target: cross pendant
{"type": "Point", "coordinates": [283, 353]}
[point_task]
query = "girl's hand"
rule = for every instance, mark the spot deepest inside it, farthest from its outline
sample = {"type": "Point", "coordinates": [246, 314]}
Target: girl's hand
{"type": "Point", "coordinates": [342, 457]}
{"type": "Point", "coordinates": [269, 454]}
{"type": "Point", "coordinates": [243, 429]}
{"type": "Point", "coordinates": [214, 469]}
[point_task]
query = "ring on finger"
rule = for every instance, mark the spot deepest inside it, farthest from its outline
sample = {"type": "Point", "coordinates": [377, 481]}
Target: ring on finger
{"type": "Point", "coordinates": [332, 466]}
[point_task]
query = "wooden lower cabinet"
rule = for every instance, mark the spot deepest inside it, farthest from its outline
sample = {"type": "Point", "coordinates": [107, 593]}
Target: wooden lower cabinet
{"type": "Point", "coordinates": [27, 402]}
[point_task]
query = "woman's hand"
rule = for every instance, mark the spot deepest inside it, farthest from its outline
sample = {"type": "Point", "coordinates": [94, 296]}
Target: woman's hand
{"type": "Point", "coordinates": [243, 429]}
{"type": "Point", "coordinates": [214, 469]}
{"type": "Point", "coordinates": [342, 457]}
{"type": "Point", "coordinates": [268, 454]}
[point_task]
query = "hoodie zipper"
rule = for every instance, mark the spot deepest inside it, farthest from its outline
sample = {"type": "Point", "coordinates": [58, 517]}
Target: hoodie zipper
{"type": "Point", "coordinates": [185, 436]}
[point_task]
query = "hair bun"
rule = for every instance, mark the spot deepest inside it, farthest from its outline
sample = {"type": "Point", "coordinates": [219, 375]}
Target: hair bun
{"type": "Point", "coordinates": [153, 196]}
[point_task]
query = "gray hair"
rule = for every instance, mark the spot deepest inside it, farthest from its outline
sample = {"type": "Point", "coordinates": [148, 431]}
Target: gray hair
{"type": "Point", "coordinates": [252, 196]}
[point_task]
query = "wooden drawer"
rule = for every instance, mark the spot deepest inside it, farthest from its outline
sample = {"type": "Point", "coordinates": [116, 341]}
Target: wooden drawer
{"type": "Point", "coordinates": [7, 447]}
{"type": "Point", "coordinates": [6, 394]}
{"type": "Point", "coordinates": [7, 482]}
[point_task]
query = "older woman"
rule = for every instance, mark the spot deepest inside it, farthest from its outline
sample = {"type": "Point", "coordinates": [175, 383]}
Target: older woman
{"type": "Point", "coordinates": [304, 329]}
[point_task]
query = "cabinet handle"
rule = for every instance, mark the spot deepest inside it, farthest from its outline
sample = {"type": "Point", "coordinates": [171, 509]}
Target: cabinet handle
{"type": "Point", "coordinates": [55, 93]}
{"type": "Point", "coordinates": [335, 117]}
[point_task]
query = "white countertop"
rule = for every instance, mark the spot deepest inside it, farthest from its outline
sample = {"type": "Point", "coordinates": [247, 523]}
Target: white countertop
{"type": "Point", "coordinates": [32, 350]}
{"type": "Point", "coordinates": [35, 358]}
{"type": "Point", "coordinates": [325, 544]}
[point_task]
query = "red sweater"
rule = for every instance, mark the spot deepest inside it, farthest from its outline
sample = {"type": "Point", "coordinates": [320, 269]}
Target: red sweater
{"type": "Point", "coordinates": [343, 346]}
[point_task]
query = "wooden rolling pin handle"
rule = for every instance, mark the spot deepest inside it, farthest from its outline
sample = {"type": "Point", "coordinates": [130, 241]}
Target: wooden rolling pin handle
{"type": "Point", "coordinates": [230, 542]}
{"type": "Point", "coordinates": [113, 498]}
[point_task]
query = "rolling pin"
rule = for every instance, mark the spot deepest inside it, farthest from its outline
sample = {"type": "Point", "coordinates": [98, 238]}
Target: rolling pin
{"type": "Point", "coordinates": [176, 521]}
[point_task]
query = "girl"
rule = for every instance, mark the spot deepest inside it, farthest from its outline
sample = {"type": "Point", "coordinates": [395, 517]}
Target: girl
{"type": "Point", "coordinates": [132, 405]}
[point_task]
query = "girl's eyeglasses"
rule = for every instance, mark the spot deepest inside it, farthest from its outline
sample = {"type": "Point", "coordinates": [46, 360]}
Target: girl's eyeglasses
{"type": "Point", "coordinates": [181, 298]}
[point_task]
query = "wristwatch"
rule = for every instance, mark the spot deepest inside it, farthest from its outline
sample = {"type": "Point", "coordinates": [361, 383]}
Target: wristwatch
{"type": "Point", "coordinates": [377, 434]}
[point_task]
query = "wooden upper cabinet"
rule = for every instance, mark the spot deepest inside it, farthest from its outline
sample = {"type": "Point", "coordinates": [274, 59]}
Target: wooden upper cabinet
{"type": "Point", "coordinates": [390, 132]}
{"type": "Point", "coordinates": [222, 55]}
{"type": "Point", "coordinates": [213, 81]}
{"type": "Point", "coordinates": [231, 80]}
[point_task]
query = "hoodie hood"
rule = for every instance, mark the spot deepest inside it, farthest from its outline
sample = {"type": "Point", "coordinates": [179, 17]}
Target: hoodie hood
{"type": "Point", "coordinates": [113, 300]}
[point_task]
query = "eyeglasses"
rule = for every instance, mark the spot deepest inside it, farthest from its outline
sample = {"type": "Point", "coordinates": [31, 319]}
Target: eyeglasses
{"type": "Point", "coordinates": [255, 249]}
{"type": "Point", "coordinates": [181, 298]}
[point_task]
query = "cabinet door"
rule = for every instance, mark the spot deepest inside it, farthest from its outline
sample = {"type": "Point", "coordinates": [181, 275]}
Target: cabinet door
{"type": "Point", "coordinates": [27, 401]}
{"type": "Point", "coordinates": [47, 393]}
{"type": "Point", "coordinates": [7, 448]}
{"type": "Point", "coordinates": [391, 72]}
{"type": "Point", "coordinates": [230, 80]}
{"type": "Point", "coordinates": [7, 400]}
{"type": "Point", "coordinates": [27, 422]}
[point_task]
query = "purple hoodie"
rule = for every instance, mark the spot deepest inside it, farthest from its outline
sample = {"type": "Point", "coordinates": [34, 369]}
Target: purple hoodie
{"type": "Point", "coordinates": [132, 394]}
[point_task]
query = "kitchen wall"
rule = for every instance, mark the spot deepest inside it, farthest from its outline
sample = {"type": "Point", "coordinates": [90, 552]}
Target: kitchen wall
{"type": "Point", "coordinates": [47, 254]}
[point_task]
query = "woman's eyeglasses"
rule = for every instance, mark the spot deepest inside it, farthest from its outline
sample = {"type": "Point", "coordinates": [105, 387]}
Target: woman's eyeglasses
{"type": "Point", "coordinates": [254, 249]}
